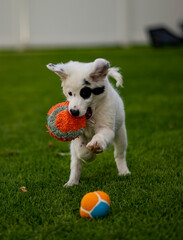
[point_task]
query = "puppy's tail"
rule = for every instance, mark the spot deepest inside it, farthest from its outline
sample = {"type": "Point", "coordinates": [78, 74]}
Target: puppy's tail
{"type": "Point", "coordinates": [114, 73]}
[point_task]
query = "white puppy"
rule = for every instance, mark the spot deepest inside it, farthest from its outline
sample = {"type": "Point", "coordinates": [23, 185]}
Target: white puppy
{"type": "Point", "coordinates": [87, 88]}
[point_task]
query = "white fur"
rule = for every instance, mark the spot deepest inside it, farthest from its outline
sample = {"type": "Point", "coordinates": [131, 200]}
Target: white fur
{"type": "Point", "coordinates": [107, 123]}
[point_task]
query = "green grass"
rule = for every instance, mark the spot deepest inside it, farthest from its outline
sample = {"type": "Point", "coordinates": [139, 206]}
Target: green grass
{"type": "Point", "coordinates": [145, 205]}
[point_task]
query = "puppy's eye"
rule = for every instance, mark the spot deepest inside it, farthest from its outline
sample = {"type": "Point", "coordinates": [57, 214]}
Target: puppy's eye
{"type": "Point", "coordinates": [85, 92]}
{"type": "Point", "coordinates": [70, 93]}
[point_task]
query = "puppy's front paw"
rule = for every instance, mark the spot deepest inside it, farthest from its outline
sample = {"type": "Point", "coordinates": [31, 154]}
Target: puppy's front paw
{"type": "Point", "coordinates": [71, 183]}
{"type": "Point", "coordinates": [124, 172]}
{"type": "Point", "coordinates": [95, 147]}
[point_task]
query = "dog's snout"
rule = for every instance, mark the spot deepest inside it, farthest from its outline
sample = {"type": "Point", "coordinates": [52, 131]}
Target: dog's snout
{"type": "Point", "coordinates": [74, 112]}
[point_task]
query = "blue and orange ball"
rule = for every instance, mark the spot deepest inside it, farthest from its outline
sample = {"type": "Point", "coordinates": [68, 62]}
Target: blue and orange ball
{"type": "Point", "coordinates": [95, 204]}
{"type": "Point", "coordinates": [62, 125]}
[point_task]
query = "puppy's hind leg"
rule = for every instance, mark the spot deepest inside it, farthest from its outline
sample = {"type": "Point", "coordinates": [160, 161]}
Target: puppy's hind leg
{"type": "Point", "coordinates": [120, 144]}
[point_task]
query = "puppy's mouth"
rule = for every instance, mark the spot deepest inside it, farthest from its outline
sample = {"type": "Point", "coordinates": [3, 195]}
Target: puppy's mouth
{"type": "Point", "coordinates": [88, 113]}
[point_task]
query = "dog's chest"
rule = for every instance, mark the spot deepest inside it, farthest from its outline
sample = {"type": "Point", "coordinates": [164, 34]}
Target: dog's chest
{"type": "Point", "coordinates": [89, 131]}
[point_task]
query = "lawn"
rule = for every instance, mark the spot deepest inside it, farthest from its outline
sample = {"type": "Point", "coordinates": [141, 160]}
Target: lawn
{"type": "Point", "coordinates": [145, 205]}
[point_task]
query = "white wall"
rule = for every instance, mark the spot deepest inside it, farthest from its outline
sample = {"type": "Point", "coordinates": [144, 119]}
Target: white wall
{"type": "Point", "coordinates": [9, 30]}
{"type": "Point", "coordinates": [143, 13]}
{"type": "Point", "coordinates": [83, 22]}
{"type": "Point", "coordinates": [70, 22]}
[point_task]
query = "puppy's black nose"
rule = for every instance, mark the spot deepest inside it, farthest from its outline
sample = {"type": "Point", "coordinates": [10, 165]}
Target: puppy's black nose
{"type": "Point", "coordinates": [74, 112]}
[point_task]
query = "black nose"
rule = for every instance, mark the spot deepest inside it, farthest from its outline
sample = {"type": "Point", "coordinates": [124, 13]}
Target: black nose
{"type": "Point", "coordinates": [74, 112]}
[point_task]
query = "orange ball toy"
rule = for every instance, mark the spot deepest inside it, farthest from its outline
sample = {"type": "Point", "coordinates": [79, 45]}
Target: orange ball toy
{"type": "Point", "coordinates": [95, 204]}
{"type": "Point", "coordinates": [62, 125]}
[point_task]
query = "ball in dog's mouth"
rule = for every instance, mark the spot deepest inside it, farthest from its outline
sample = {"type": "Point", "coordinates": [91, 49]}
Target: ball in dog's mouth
{"type": "Point", "coordinates": [89, 113]}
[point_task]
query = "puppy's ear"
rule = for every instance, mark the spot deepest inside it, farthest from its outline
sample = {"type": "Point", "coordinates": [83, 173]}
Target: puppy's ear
{"type": "Point", "coordinates": [58, 69]}
{"type": "Point", "coordinates": [100, 69]}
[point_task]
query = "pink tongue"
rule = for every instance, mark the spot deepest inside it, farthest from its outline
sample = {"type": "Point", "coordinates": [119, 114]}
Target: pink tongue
{"type": "Point", "coordinates": [89, 113]}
